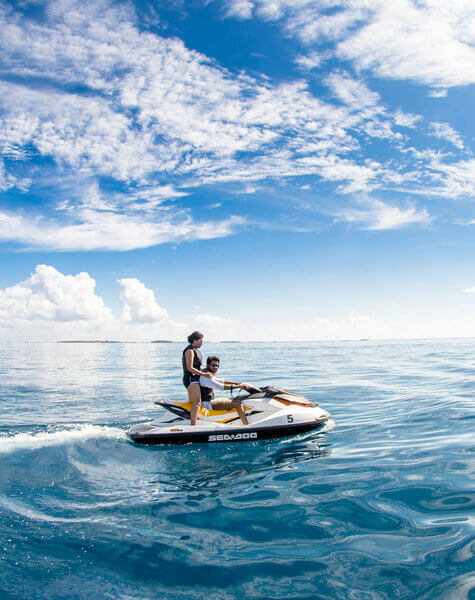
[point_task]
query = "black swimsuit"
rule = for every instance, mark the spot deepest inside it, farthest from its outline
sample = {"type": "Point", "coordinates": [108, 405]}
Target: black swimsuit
{"type": "Point", "coordinates": [188, 377]}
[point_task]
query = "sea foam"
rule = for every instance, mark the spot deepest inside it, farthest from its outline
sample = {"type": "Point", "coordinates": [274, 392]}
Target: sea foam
{"type": "Point", "coordinates": [71, 434]}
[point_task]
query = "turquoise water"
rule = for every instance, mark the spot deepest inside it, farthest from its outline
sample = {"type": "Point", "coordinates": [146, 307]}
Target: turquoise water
{"type": "Point", "coordinates": [379, 507]}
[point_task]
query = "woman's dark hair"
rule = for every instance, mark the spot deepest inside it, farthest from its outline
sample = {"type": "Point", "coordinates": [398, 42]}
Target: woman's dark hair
{"type": "Point", "coordinates": [211, 359]}
{"type": "Point", "coordinates": [196, 335]}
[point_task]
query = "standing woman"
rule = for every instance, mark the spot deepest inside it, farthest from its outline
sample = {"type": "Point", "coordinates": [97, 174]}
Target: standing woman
{"type": "Point", "coordinates": [191, 361]}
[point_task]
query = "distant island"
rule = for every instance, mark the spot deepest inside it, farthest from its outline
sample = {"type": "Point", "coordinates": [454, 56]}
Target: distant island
{"type": "Point", "coordinates": [162, 342]}
{"type": "Point", "coordinates": [91, 342]}
{"type": "Point", "coordinates": [231, 342]}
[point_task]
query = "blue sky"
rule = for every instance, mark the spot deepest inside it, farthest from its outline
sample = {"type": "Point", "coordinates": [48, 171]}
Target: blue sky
{"type": "Point", "coordinates": [259, 169]}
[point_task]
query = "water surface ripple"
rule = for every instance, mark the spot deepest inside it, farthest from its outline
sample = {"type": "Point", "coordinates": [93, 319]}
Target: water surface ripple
{"type": "Point", "coordinates": [379, 507]}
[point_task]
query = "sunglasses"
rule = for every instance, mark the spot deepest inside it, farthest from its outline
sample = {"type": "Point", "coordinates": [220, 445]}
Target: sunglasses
{"type": "Point", "coordinates": [214, 365]}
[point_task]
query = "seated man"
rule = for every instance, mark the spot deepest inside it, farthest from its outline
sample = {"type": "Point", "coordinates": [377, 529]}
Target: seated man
{"type": "Point", "coordinates": [208, 385]}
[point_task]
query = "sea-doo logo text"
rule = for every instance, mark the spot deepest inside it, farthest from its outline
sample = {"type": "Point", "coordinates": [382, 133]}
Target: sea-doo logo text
{"type": "Point", "coordinates": [230, 437]}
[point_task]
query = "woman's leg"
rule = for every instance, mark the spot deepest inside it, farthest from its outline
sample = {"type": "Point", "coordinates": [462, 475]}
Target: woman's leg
{"type": "Point", "coordinates": [194, 395]}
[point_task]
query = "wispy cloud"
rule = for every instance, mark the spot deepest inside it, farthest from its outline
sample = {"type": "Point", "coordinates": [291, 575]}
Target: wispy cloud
{"type": "Point", "coordinates": [421, 42]}
{"type": "Point", "coordinates": [308, 62]}
{"type": "Point", "coordinates": [406, 119]}
{"type": "Point", "coordinates": [455, 179]}
{"type": "Point", "coordinates": [107, 230]}
{"type": "Point", "coordinates": [373, 214]}
{"type": "Point", "coordinates": [470, 290]}
{"type": "Point", "coordinates": [240, 9]}
{"type": "Point", "coordinates": [160, 119]}
{"type": "Point", "coordinates": [352, 92]}
{"type": "Point", "coordinates": [445, 132]}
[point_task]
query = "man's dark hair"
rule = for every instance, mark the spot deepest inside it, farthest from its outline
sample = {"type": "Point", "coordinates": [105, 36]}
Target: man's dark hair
{"type": "Point", "coordinates": [211, 359]}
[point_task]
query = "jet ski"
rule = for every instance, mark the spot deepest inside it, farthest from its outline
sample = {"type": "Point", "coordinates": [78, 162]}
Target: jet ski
{"type": "Point", "coordinates": [271, 412]}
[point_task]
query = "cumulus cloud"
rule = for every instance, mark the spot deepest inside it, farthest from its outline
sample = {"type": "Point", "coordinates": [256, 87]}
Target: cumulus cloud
{"type": "Point", "coordinates": [373, 214]}
{"type": "Point", "coordinates": [470, 290]}
{"type": "Point", "coordinates": [51, 305]}
{"type": "Point", "coordinates": [48, 295]}
{"type": "Point", "coordinates": [139, 302]}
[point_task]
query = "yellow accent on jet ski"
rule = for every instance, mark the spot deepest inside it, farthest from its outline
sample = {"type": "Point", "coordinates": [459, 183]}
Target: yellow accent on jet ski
{"type": "Point", "coordinates": [212, 413]}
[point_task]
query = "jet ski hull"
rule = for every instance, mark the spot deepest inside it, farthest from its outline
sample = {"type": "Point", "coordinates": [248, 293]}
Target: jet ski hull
{"type": "Point", "coordinates": [244, 434]}
{"type": "Point", "coordinates": [271, 413]}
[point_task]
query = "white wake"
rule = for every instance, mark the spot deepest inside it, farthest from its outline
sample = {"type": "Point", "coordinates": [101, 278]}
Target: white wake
{"type": "Point", "coordinates": [75, 433]}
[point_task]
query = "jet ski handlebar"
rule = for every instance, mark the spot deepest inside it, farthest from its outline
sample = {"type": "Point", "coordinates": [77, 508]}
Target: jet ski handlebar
{"type": "Point", "coordinates": [249, 389]}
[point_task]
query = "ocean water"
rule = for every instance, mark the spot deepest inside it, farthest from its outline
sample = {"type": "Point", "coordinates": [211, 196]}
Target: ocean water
{"type": "Point", "coordinates": [378, 507]}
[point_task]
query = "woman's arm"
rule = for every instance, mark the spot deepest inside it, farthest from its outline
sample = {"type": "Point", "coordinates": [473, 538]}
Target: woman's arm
{"type": "Point", "coordinates": [189, 365]}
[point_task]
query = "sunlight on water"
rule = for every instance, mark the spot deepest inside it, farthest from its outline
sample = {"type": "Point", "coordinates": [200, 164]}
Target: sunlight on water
{"type": "Point", "coordinates": [378, 505]}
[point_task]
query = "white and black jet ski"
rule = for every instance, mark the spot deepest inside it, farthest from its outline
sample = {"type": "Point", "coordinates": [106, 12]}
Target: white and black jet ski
{"type": "Point", "coordinates": [271, 412]}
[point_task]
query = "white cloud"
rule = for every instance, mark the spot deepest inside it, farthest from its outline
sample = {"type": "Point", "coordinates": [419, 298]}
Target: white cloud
{"type": "Point", "coordinates": [456, 179]}
{"type": "Point", "coordinates": [160, 118]}
{"type": "Point", "coordinates": [49, 305]}
{"type": "Point", "coordinates": [139, 302]}
{"type": "Point", "coordinates": [427, 42]}
{"type": "Point", "coordinates": [470, 290]}
{"type": "Point", "coordinates": [219, 328]}
{"type": "Point", "coordinates": [431, 44]}
{"type": "Point", "coordinates": [308, 62]}
{"type": "Point", "coordinates": [109, 230]}
{"type": "Point", "coordinates": [357, 326]}
{"type": "Point", "coordinates": [332, 168]}
{"type": "Point", "coordinates": [48, 295]}
{"type": "Point", "coordinates": [240, 9]}
{"type": "Point", "coordinates": [438, 93]}
{"type": "Point", "coordinates": [373, 214]}
{"type": "Point", "coordinates": [6, 179]}
{"type": "Point", "coordinates": [353, 92]}
{"type": "Point", "coordinates": [160, 108]}
{"type": "Point", "coordinates": [352, 326]}
{"type": "Point", "coordinates": [445, 132]}
{"type": "Point", "coordinates": [406, 119]}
